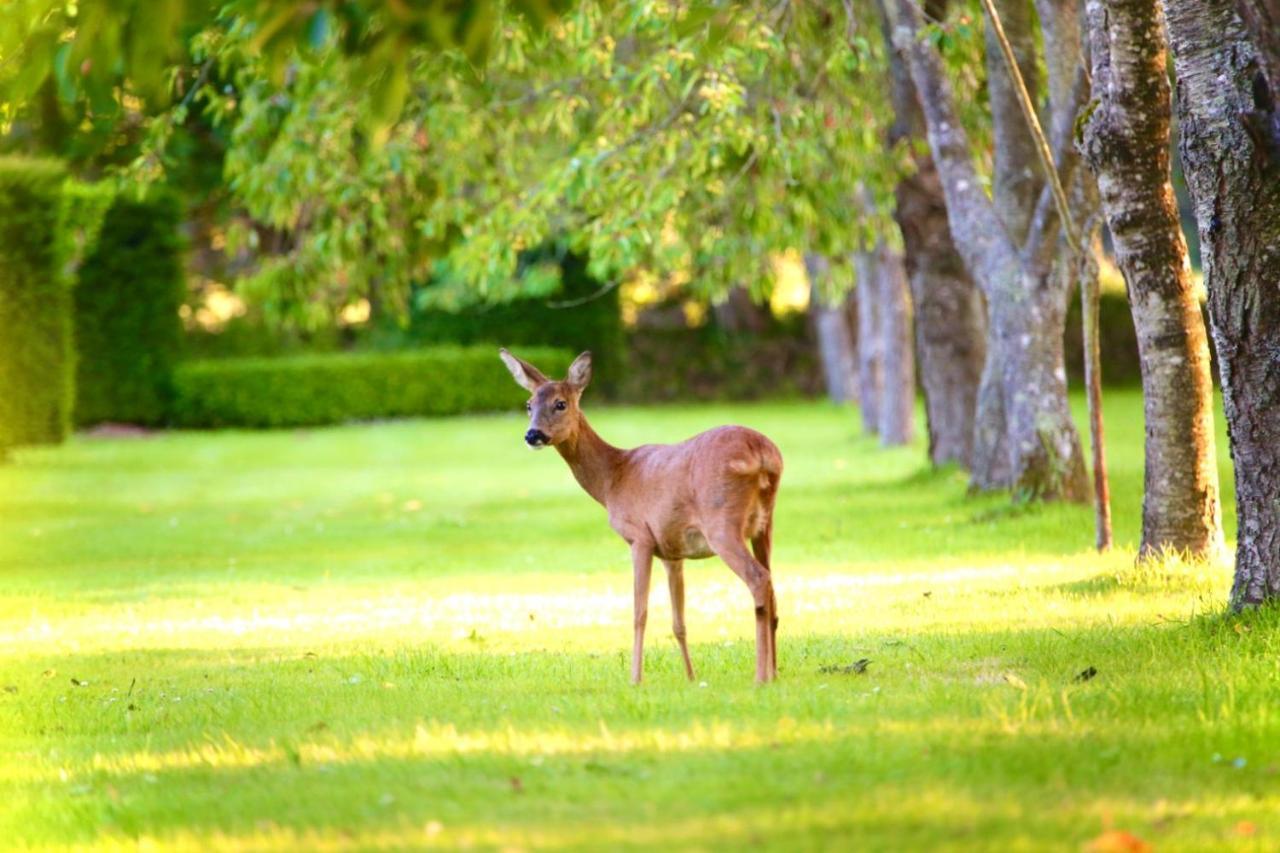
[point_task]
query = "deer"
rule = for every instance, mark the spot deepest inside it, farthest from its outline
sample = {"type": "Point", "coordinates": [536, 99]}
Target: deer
{"type": "Point", "coordinates": [708, 495]}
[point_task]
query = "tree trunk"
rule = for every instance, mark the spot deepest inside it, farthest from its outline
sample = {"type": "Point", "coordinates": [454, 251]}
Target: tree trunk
{"type": "Point", "coordinates": [869, 343]}
{"type": "Point", "coordinates": [1126, 142]}
{"type": "Point", "coordinates": [949, 316]}
{"type": "Point", "coordinates": [897, 403]}
{"type": "Point", "coordinates": [738, 313]}
{"type": "Point", "coordinates": [834, 335]}
{"type": "Point", "coordinates": [1023, 426]}
{"type": "Point", "coordinates": [1230, 149]}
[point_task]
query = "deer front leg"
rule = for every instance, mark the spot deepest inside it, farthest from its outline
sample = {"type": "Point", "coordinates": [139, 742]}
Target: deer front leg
{"type": "Point", "coordinates": [642, 563]}
{"type": "Point", "coordinates": [675, 583]}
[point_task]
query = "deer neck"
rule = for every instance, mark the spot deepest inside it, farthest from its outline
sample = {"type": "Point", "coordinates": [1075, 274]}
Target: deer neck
{"type": "Point", "coordinates": [592, 460]}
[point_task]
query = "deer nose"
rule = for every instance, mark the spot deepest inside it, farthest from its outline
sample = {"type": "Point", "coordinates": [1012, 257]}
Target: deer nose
{"type": "Point", "coordinates": [535, 437]}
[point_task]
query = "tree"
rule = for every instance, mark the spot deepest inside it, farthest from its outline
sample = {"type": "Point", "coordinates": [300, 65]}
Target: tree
{"type": "Point", "coordinates": [833, 331]}
{"type": "Point", "coordinates": [1024, 438]}
{"type": "Point", "coordinates": [1230, 150]}
{"type": "Point", "coordinates": [897, 361]}
{"type": "Point", "coordinates": [1125, 140]}
{"type": "Point", "coordinates": [949, 317]}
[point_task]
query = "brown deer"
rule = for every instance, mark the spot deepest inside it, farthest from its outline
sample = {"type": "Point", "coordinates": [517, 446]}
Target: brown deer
{"type": "Point", "coordinates": [686, 501]}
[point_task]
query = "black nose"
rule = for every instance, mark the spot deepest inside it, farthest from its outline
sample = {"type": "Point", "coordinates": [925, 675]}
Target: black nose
{"type": "Point", "coordinates": [534, 437]}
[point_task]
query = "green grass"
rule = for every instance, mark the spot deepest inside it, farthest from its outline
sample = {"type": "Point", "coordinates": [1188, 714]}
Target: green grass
{"type": "Point", "coordinates": [415, 634]}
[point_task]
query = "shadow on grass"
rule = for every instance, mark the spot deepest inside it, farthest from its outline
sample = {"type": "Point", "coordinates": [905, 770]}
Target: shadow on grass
{"type": "Point", "coordinates": [992, 734]}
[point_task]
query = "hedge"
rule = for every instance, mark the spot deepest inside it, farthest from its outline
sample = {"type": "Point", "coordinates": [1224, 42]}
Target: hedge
{"type": "Point", "coordinates": [334, 388]}
{"type": "Point", "coordinates": [128, 331]}
{"type": "Point", "coordinates": [36, 357]}
{"type": "Point", "coordinates": [590, 318]}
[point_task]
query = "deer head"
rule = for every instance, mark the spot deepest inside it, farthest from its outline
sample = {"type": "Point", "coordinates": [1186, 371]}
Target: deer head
{"type": "Point", "coordinates": [554, 413]}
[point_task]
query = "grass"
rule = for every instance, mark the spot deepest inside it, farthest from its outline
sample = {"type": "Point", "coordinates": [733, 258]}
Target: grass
{"type": "Point", "coordinates": [415, 634]}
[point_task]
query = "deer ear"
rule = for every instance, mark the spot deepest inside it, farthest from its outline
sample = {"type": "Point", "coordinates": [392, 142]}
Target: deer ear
{"type": "Point", "coordinates": [525, 374]}
{"type": "Point", "coordinates": [580, 371]}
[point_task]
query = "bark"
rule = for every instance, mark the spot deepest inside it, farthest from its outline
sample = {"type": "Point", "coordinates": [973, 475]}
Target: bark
{"type": "Point", "coordinates": [897, 403]}
{"type": "Point", "coordinates": [1036, 450]}
{"type": "Point", "coordinates": [1015, 180]}
{"type": "Point", "coordinates": [870, 352]}
{"type": "Point", "coordinates": [949, 316]}
{"type": "Point", "coordinates": [1229, 144]}
{"type": "Point", "coordinates": [834, 335]}
{"type": "Point", "coordinates": [1126, 142]}
{"type": "Point", "coordinates": [738, 313]}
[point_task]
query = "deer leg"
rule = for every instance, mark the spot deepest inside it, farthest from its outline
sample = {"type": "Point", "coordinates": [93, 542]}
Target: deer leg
{"type": "Point", "coordinates": [733, 550]}
{"type": "Point", "coordinates": [762, 546]}
{"type": "Point", "coordinates": [642, 563]}
{"type": "Point", "coordinates": [675, 583]}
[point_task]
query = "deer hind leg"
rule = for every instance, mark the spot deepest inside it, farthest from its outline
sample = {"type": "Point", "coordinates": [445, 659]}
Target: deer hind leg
{"type": "Point", "coordinates": [762, 547]}
{"type": "Point", "coordinates": [642, 563]}
{"type": "Point", "coordinates": [732, 548]}
{"type": "Point", "coordinates": [675, 583]}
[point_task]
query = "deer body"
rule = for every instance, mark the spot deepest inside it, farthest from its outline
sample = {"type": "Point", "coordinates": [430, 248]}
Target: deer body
{"type": "Point", "coordinates": [708, 495]}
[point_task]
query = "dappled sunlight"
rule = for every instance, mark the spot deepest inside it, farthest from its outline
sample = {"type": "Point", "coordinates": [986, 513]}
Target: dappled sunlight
{"type": "Point", "coordinates": [594, 610]}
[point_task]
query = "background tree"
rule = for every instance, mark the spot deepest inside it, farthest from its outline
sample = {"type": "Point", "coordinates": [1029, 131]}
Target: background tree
{"type": "Point", "coordinates": [949, 317]}
{"type": "Point", "coordinates": [1024, 437]}
{"type": "Point", "coordinates": [1230, 150]}
{"type": "Point", "coordinates": [1125, 139]}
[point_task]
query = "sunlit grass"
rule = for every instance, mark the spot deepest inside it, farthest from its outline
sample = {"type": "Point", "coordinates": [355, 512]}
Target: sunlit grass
{"type": "Point", "coordinates": [416, 635]}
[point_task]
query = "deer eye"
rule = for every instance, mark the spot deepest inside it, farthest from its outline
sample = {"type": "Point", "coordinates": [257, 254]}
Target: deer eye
{"type": "Point", "coordinates": [528, 407]}
{"type": "Point", "coordinates": [561, 405]}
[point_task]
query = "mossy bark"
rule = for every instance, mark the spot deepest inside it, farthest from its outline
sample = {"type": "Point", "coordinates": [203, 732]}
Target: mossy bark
{"type": "Point", "coordinates": [1230, 151]}
{"type": "Point", "coordinates": [1125, 140]}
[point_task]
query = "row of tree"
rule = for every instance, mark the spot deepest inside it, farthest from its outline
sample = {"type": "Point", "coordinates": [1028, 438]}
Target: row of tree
{"type": "Point", "coordinates": [896, 144]}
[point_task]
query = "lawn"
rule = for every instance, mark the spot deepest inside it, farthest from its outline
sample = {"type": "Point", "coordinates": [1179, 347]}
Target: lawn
{"type": "Point", "coordinates": [416, 634]}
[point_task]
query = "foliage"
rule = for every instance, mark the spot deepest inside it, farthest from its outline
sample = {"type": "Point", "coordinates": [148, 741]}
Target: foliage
{"type": "Point", "coordinates": [36, 357]}
{"type": "Point", "coordinates": [695, 139]}
{"type": "Point", "coordinates": [105, 53]}
{"type": "Point", "coordinates": [582, 314]}
{"type": "Point", "coordinates": [706, 363]}
{"type": "Point", "coordinates": [415, 634]}
{"type": "Point", "coordinates": [337, 387]}
{"type": "Point", "coordinates": [127, 330]}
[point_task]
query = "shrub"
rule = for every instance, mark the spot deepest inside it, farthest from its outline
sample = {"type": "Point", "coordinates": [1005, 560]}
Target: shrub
{"type": "Point", "coordinates": [36, 357]}
{"type": "Point", "coordinates": [127, 328]}
{"type": "Point", "coordinates": [325, 389]}
{"type": "Point", "coordinates": [590, 319]}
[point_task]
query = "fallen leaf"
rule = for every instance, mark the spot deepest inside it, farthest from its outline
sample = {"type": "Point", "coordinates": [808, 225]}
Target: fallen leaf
{"type": "Point", "coordinates": [1117, 841]}
{"type": "Point", "coordinates": [858, 667]}
{"type": "Point", "coordinates": [75, 682]}
{"type": "Point", "coordinates": [1015, 681]}
{"type": "Point", "coordinates": [1246, 827]}
{"type": "Point", "coordinates": [1087, 674]}
{"type": "Point", "coordinates": [49, 673]}
{"type": "Point", "coordinates": [517, 787]}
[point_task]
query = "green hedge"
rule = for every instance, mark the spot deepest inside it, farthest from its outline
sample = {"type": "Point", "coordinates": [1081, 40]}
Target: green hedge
{"type": "Point", "coordinates": [36, 357]}
{"type": "Point", "coordinates": [590, 318]}
{"type": "Point", "coordinates": [127, 296]}
{"type": "Point", "coordinates": [325, 389]}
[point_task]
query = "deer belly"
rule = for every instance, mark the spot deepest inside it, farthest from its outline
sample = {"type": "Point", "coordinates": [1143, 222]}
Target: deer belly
{"type": "Point", "coordinates": [694, 545]}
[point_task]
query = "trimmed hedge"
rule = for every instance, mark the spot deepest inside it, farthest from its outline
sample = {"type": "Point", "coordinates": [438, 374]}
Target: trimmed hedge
{"type": "Point", "coordinates": [36, 357]}
{"type": "Point", "coordinates": [593, 322]}
{"type": "Point", "coordinates": [128, 332]}
{"type": "Point", "coordinates": [334, 388]}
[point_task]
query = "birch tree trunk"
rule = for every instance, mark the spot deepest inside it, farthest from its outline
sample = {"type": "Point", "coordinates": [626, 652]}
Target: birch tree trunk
{"type": "Point", "coordinates": [1126, 142]}
{"type": "Point", "coordinates": [1036, 450]}
{"type": "Point", "coordinates": [869, 344]}
{"type": "Point", "coordinates": [949, 315]}
{"type": "Point", "coordinates": [897, 403]}
{"type": "Point", "coordinates": [834, 335]}
{"type": "Point", "coordinates": [1230, 150]}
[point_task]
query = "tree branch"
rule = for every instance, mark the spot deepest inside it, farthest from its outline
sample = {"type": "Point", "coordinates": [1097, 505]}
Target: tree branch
{"type": "Point", "coordinates": [979, 234]}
